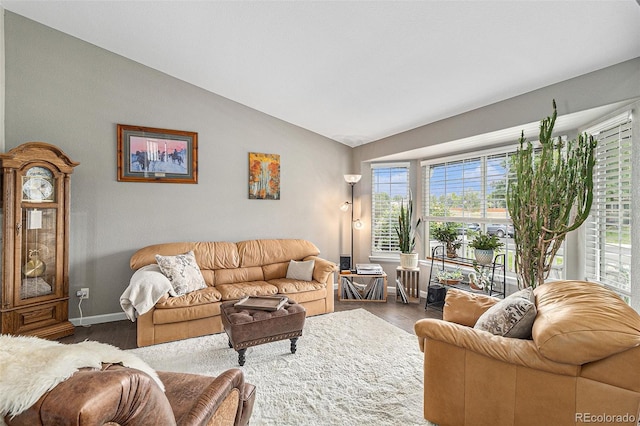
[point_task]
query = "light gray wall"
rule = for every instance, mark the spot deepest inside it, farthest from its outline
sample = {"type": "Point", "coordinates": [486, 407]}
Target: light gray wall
{"type": "Point", "coordinates": [72, 94]}
{"type": "Point", "coordinates": [607, 86]}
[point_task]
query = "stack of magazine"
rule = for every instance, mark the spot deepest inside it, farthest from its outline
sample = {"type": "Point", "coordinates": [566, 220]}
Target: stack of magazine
{"type": "Point", "coordinates": [368, 269]}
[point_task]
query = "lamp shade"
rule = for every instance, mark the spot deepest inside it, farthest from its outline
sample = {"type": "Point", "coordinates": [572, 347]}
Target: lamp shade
{"type": "Point", "coordinates": [357, 224]}
{"type": "Point", "coordinates": [352, 178]}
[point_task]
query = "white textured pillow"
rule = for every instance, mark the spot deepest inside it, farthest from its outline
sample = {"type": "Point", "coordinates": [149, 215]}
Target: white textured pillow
{"type": "Point", "coordinates": [511, 317]}
{"type": "Point", "coordinates": [302, 271]}
{"type": "Point", "coordinates": [183, 272]}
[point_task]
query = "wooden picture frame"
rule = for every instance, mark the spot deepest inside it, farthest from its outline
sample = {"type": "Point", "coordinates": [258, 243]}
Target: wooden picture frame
{"type": "Point", "coordinates": [148, 154]}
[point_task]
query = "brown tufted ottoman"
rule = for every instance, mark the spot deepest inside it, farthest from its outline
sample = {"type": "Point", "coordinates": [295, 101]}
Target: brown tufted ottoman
{"type": "Point", "coordinates": [251, 327]}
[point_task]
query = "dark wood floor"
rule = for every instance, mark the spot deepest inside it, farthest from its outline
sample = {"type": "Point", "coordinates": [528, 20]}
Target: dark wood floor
{"type": "Point", "coordinates": [123, 333]}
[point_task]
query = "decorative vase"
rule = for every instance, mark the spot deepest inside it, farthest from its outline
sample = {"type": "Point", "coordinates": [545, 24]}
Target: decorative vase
{"type": "Point", "coordinates": [484, 257]}
{"type": "Point", "coordinates": [408, 260]}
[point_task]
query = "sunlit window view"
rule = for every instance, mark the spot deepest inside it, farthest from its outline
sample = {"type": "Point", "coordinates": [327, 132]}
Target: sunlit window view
{"type": "Point", "coordinates": [470, 193]}
{"type": "Point", "coordinates": [390, 188]}
{"type": "Point", "coordinates": [608, 228]}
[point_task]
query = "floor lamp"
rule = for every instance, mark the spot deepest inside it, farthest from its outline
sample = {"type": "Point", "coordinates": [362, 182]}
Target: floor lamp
{"type": "Point", "coordinates": [355, 223]}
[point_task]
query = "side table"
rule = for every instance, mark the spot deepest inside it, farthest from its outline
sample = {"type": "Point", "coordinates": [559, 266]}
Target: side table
{"type": "Point", "coordinates": [372, 289]}
{"type": "Point", "coordinates": [407, 285]}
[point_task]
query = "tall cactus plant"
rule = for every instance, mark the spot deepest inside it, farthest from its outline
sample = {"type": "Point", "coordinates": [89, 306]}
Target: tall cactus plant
{"type": "Point", "coordinates": [550, 196]}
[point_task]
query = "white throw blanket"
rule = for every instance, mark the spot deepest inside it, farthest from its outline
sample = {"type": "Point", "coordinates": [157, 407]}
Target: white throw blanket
{"type": "Point", "coordinates": [147, 285]}
{"type": "Point", "coordinates": [30, 366]}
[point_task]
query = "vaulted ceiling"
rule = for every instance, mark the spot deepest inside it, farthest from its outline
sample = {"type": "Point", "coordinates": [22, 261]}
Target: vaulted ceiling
{"type": "Point", "coordinates": [357, 71]}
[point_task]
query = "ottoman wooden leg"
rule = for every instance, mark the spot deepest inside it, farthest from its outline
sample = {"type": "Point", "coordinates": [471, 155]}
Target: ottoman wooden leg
{"type": "Point", "coordinates": [241, 353]}
{"type": "Point", "coordinates": [294, 344]}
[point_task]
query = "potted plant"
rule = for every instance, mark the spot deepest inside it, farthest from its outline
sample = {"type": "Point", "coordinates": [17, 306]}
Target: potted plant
{"type": "Point", "coordinates": [406, 233]}
{"type": "Point", "coordinates": [447, 234]}
{"type": "Point", "coordinates": [550, 196]}
{"type": "Point", "coordinates": [484, 246]}
{"type": "Point", "coordinates": [449, 277]}
{"type": "Point", "coordinates": [480, 279]}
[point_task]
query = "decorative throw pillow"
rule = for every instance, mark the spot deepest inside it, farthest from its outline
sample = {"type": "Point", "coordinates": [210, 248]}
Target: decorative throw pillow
{"type": "Point", "coordinates": [302, 271]}
{"type": "Point", "coordinates": [511, 317]}
{"type": "Point", "coordinates": [183, 272]}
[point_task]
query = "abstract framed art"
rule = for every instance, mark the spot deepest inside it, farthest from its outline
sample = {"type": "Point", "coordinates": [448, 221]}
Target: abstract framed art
{"type": "Point", "coordinates": [264, 176]}
{"type": "Point", "coordinates": [147, 154]}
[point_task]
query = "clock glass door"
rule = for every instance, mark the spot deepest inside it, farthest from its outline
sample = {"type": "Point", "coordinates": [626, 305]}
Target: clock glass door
{"type": "Point", "coordinates": [38, 268]}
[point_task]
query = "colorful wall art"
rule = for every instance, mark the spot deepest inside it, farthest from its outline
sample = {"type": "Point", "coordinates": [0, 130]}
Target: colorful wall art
{"type": "Point", "coordinates": [264, 176]}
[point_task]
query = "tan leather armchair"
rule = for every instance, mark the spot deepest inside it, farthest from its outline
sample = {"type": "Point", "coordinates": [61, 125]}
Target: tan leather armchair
{"type": "Point", "coordinates": [582, 364]}
{"type": "Point", "coordinates": [118, 395]}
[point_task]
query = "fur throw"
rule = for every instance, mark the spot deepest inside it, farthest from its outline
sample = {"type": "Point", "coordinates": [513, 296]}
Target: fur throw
{"type": "Point", "coordinates": [30, 367]}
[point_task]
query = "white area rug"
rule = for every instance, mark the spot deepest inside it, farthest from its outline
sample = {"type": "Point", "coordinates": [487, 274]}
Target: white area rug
{"type": "Point", "coordinates": [351, 368]}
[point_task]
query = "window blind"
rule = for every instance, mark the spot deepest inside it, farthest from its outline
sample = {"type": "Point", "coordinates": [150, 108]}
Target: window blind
{"type": "Point", "coordinates": [390, 188]}
{"type": "Point", "coordinates": [608, 228]}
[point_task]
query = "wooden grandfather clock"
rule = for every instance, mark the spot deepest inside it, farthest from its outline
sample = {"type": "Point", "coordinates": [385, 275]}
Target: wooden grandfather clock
{"type": "Point", "coordinates": [34, 297]}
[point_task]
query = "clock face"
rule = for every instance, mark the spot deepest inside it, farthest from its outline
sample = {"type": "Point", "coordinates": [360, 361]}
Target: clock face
{"type": "Point", "coordinates": [37, 185]}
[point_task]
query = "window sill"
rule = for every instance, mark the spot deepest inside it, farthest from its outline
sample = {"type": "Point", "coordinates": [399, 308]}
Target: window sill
{"type": "Point", "coordinates": [386, 259]}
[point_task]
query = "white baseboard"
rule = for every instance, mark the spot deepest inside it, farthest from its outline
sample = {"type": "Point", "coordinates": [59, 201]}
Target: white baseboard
{"type": "Point", "coordinates": [98, 319]}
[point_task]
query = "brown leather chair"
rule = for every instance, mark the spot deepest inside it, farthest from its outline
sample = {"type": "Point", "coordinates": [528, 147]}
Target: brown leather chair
{"type": "Point", "coordinates": [581, 362]}
{"type": "Point", "coordinates": [117, 395]}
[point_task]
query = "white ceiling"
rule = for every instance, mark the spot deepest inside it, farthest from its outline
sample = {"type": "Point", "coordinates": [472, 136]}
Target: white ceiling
{"type": "Point", "coordinates": [357, 71]}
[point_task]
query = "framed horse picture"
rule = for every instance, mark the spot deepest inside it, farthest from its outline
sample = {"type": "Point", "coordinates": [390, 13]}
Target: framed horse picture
{"type": "Point", "coordinates": [147, 154]}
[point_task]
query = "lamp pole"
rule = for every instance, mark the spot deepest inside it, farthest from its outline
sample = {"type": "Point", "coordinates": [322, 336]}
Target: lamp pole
{"type": "Point", "coordinates": [352, 254]}
{"type": "Point", "coordinates": [352, 180]}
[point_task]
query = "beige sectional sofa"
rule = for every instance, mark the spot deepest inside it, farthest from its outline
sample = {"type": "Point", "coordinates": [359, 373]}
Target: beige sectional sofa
{"type": "Point", "coordinates": [231, 271]}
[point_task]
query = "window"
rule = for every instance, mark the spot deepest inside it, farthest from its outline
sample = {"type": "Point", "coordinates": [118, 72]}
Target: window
{"type": "Point", "coordinates": [471, 192]}
{"type": "Point", "coordinates": [608, 228]}
{"type": "Point", "coordinates": [390, 187]}
{"type": "Point", "coordinates": [455, 189]}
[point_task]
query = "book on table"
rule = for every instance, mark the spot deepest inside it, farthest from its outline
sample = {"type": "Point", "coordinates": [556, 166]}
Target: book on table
{"type": "Point", "coordinates": [263, 303]}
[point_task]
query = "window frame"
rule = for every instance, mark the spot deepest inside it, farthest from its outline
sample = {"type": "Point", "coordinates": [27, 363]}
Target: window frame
{"type": "Point", "coordinates": [375, 251]}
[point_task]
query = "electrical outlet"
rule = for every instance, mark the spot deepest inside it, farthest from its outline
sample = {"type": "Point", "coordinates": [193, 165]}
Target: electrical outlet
{"type": "Point", "coordinates": [83, 293]}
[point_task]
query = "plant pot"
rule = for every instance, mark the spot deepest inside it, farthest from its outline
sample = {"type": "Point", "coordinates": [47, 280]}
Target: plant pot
{"type": "Point", "coordinates": [473, 281]}
{"type": "Point", "coordinates": [450, 282]}
{"type": "Point", "coordinates": [474, 286]}
{"type": "Point", "coordinates": [451, 252]}
{"type": "Point", "coordinates": [484, 257]}
{"type": "Point", "coordinates": [408, 260]}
